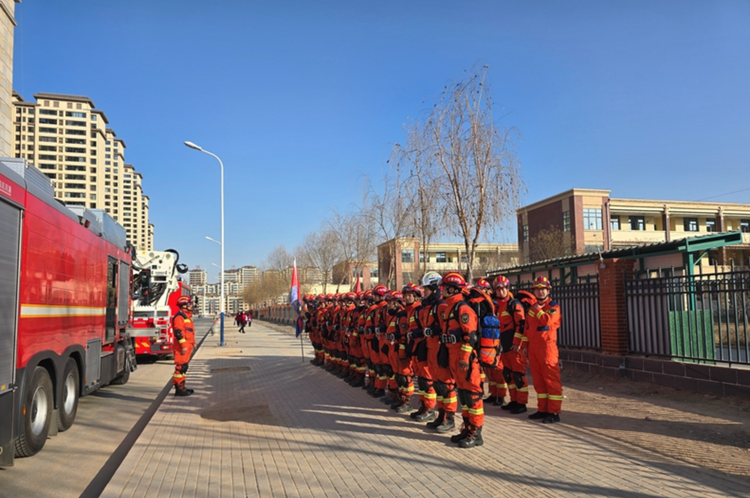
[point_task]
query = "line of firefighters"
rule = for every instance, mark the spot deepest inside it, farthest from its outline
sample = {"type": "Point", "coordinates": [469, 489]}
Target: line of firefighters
{"type": "Point", "coordinates": [452, 337]}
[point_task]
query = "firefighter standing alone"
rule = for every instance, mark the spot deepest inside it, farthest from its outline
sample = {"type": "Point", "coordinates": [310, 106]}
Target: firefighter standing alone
{"type": "Point", "coordinates": [184, 344]}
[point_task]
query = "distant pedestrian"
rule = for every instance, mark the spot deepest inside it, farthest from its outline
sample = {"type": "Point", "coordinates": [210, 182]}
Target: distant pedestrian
{"type": "Point", "coordinates": [242, 320]}
{"type": "Point", "coordinates": [249, 318]}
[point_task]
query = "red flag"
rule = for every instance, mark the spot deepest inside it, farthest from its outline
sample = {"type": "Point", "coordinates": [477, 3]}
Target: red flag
{"type": "Point", "coordinates": [357, 287]}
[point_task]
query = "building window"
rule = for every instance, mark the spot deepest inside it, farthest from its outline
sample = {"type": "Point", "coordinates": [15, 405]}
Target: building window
{"type": "Point", "coordinates": [592, 219]}
{"type": "Point", "coordinates": [690, 224]}
{"type": "Point", "coordinates": [441, 257]}
{"type": "Point", "coordinates": [710, 224]}
{"type": "Point", "coordinates": [526, 233]}
{"type": "Point", "coordinates": [745, 226]}
{"type": "Point", "coordinates": [637, 223]}
{"type": "Point", "coordinates": [407, 256]}
{"type": "Point", "coordinates": [614, 222]}
{"type": "Point", "coordinates": [566, 221]}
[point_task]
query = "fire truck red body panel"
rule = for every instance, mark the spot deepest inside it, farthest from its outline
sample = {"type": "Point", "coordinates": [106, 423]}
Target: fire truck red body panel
{"type": "Point", "coordinates": [62, 299]}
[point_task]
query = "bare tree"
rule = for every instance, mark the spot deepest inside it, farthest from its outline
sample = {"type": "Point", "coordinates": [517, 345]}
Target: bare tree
{"type": "Point", "coordinates": [321, 250]}
{"type": "Point", "coordinates": [549, 243]}
{"type": "Point", "coordinates": [421, 187]}
{"type": "Point", "coordinates": [355, 238]}
{"type": "Point", "coordinates": [388, 212]}
{"type": "Point", "coordinates": [475, 158]}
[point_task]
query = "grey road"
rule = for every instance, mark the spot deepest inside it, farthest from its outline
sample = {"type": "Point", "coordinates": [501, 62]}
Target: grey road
{"type": "Point", "coordinates": [81, 459]}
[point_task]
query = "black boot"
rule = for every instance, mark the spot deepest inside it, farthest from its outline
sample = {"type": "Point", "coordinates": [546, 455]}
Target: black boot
{"type": "Point", "coordinates": [419, 412]}
{"type": "Point", "coordinates": [426, 416]}
{"type": "Point", "coordinates": [448, 424]}
{"type": "Point", "coordinates": [538, 415]}
{"type": "Point", "coordinates": [377, 393]}
{"type": "Point", "coordinates": [490, 400]}
{"type": "Point", "coordinates": [474, 438]}
{"type": "Point", "coordinates": [359, 381]}
{"type": "Point", "coordinates": [509, 406]}
{"type": "Point", "coordinates": [519, 408]}
{"type": "Point", "coordinates": [438, 420]}
{"type": "Point", "coordinates": [182, 392]}
{"type": "Point", "coordinates": [499, 402]}
{"type": "Point", "coordinates": [551, 418]}
{"type": "Point", "coordinates": [463, 434]}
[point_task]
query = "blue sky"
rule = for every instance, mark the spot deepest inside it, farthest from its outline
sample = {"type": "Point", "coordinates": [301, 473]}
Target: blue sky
{"type": "Point", "coordinates": [302, 99]}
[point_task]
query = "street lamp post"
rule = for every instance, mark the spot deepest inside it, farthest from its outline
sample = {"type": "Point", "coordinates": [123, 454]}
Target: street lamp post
{"type": "Point", "coordinates": [222, 310]}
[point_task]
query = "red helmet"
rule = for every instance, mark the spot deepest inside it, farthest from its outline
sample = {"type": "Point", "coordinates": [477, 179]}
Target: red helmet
{"type": "Point", "coordinates": [413, 288]}
{"type": "Point", "coordinates": [501, 281]}
{"type": "Point", "coordinates": [329, 297]}
{"type": "Point", "coordinates": [454, 279]}
{"type": "Point", "coordinates": [541, 283]}
{"type": "Point", "coordinates": [367, 294]}
{"type": "Point", "coordinates": [320, 297]}
{"type": "Point", "coordinates": [182, 301]}
{"type": "Point", "coordinates": [482, 284]}
{"type": "Point", "coordinates": [380, 290]}
{"type": "Point", "coordinates": [394, 296]}
{"type": "Point", "coordinates": [350, 296]}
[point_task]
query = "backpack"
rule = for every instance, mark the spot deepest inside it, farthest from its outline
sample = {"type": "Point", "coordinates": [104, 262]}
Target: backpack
{"type": "Point", "coordinates": [488, 346]}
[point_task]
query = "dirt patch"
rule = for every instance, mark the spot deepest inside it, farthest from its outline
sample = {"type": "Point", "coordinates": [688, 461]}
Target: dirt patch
{"type": "Point", "coordinates": [699, 429]}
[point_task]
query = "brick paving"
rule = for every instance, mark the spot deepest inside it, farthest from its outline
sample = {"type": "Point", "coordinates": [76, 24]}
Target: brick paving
{"type": "Point", "coordinates": [265, 423]}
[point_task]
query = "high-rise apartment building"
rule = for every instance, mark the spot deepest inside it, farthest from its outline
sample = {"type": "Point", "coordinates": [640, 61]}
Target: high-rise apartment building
{"type": "Point", "coordinates": [197, 277]}
{"type": "Point", "coordinates": [7, 30]}
{"type": "Point", "coordinates": [68, 139]}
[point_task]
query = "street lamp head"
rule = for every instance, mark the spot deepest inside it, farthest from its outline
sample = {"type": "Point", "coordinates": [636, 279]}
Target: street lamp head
{"type": "Point", "coordinates": [193, 146]}
{"type": "Point", "coordinates": [212, 240]}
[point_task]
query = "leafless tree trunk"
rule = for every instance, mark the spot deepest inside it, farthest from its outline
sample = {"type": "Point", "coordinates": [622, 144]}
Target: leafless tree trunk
{"type": "Point", "coordinates": [355, 238]}
{"type": "Point", "coordinates": [321, 250]}
{"type": "Point", "coordinates": [476, 159]}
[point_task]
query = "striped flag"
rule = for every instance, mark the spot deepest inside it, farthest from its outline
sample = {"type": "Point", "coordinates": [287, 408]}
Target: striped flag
{"type": "Point", "coordinates": [294, 300]}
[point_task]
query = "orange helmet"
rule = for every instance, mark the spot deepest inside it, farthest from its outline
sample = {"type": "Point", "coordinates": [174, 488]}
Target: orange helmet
{"type": "Point", "coordinates": [380, 290]}
{"type": "Point", "coordinates": [394, 296]}
{"type": "Point", "coordinates": [350, 296]}
{"type": "Point", "coordinates": [367, 294]}
{"type": "Point", "coordinates": [526, 298]}
{"type": "Point", "coordinates": [541, 283]}
{"type": "Point", "coordinates": [413, 288]}
{"type": "Point", "coordinates": [182, 301]}
{"type": "Point", "coordinates": [501, 281]}
{"type": "Point", "coordinates": [454, 279]}
{"type": "Point", "coordinates": [321, 297]}
{"type": "Point", "coordinates": [329, 297]}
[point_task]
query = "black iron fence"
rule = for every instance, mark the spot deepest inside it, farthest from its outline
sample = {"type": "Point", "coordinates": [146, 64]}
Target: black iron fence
{"type": "Point", "coordinates": [579, 307]}
{"type": "Point", "coordinates": [702, 318]}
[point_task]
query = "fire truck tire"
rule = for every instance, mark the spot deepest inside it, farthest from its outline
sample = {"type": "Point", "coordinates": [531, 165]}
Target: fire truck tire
{"type": "Point", "coordinates": [36, 414]}
{"type": "Point", "coordinates": [66, 412]}
{"type": "Point", "coordinates": [124, 377]}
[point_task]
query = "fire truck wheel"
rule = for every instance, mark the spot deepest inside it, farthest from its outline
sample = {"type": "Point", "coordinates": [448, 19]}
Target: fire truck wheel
{"type": "Point", "coordinates": [124, 377]}
{"type": "Point", "coordinates": [37, 412]}
{"type": "Point", "coordinates": [66, 413]}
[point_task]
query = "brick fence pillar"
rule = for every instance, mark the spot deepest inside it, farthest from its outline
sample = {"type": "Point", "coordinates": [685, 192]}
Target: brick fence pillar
{"type": "Point", "coordinates": [612, 312]}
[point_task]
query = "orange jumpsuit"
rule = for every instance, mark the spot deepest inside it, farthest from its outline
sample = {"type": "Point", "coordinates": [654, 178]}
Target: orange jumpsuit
{"type": "Point", "coordinates": [460, 326]}
{"type": "Point", "coordinates": [402, 365]}
{"type": "Point", "coordinates": [542, 322]}
{"type": "Point", "coordinates": [512, 320]}
{"type": "Point", "coordinates": [184, 334]}
{"type": "Point", "coordinates": [425, 315]}
{"type": "Point", "coordinates": [376, 352]}
{"type": "Point", "coordinates": [369, 335]}
{"type": "Point", "coordinates": [391, 340]}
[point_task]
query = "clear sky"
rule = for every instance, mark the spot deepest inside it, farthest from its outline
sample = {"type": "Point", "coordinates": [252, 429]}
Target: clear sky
{"type": "Point", "coordinates": [301, 99]}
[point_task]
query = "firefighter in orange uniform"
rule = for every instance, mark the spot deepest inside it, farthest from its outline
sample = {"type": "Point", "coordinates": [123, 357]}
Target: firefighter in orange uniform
{"type": "Point", "coordinates": [542, 322]}
{"type": "Point", "coordinates": [390, 348]}
{"type": "Point", "coordinates": [512, 317]}
{"type": "Point", "coordinates": [378, 341]}
{"type": "Point", "coordinates": [426, 344]}
{"type": "Point", "coordinates": [184, 344]}
{"type": "Point", "coordinates": [460, 327]}
{"type": "Point", "coordinates": [406, 366]}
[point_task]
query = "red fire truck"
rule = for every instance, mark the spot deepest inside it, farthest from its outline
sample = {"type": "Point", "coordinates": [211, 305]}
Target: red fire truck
{"type": "Point", "coordinates": [157, 285]}
{"type": "Point", "coordinates": [64, 308]}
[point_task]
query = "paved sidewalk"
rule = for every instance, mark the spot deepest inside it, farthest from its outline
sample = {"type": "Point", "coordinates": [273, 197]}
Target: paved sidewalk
{"type": "Point", "coordinates": [265, 423]}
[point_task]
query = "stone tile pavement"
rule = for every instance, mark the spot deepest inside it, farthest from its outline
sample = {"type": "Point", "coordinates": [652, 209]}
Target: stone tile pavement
{"type": "Point", "coordinates": [266, 423]}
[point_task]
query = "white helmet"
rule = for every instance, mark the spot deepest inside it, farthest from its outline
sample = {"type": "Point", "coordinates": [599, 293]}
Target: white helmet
{"type": "Point", "coordinates": [432, 279]}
